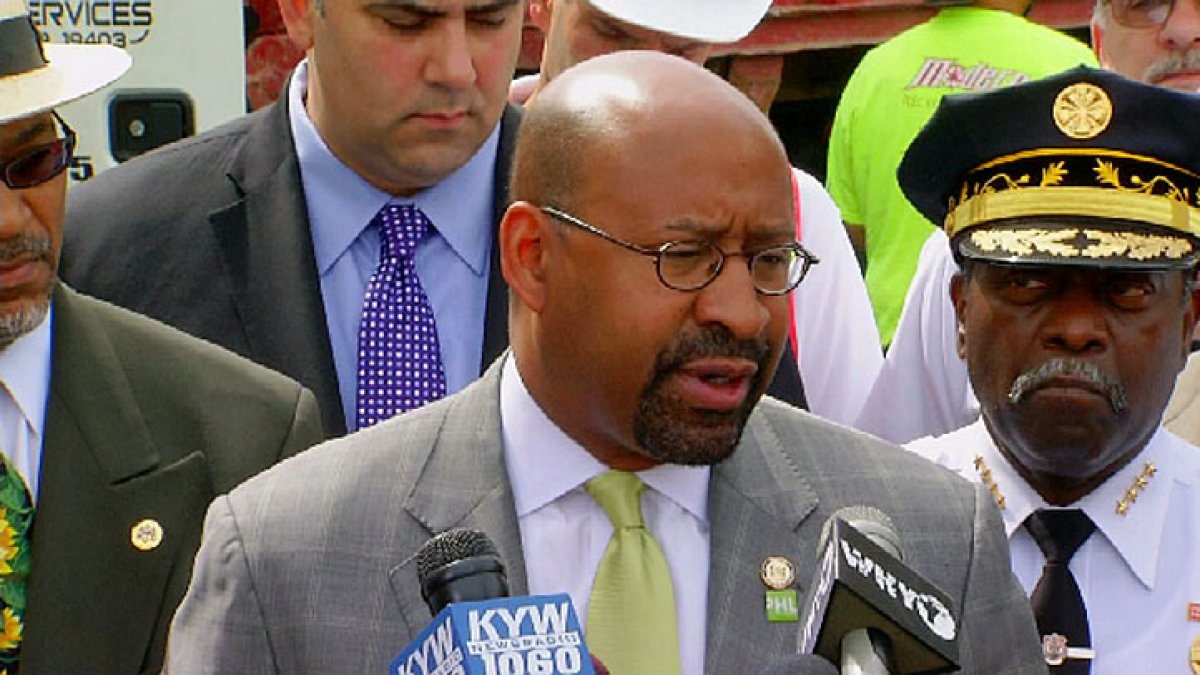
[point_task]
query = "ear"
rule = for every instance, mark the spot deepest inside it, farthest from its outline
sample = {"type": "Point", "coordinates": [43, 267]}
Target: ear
{"type": "Point", "coordinates": [298, 17]}
{"type": "Point", "coordinates": [539, 14]}
{"type": "Point", "coordinates": [958, 296]}
{"type": "Point", "coordinates": [523, 239]}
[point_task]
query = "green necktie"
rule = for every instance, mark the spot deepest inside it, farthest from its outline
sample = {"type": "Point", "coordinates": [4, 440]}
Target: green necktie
{"type": "Point", "coordinates": [16, 514]}
{"type": "Point", "coordinates": [631, 623]}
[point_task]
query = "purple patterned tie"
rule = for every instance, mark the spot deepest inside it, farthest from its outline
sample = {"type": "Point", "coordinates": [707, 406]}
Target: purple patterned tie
{"type": "Point", "coordinates": [399, 361]}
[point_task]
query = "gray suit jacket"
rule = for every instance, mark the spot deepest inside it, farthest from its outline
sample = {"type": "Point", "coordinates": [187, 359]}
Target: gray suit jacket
{"type": "Point", "coordinates": [142, 422]}
{"type": "Point", "coordinates": [308, 567]}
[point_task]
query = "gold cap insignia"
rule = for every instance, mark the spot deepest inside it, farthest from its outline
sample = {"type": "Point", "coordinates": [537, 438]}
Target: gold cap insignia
{"type": "Point", "coordinates": [1082, 111]}
{"type": "Point", "coordinates": [146, 535]}
{"type": "Point", "coordinates": [778, 572]}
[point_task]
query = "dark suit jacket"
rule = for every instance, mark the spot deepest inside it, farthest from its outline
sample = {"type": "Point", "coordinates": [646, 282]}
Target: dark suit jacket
{"type": "Point", "coordinates": [142, 422]}
{"type": "Point", "coordinates": [303, 576]}
{"type": "Point", "coordinates": [211, 235]}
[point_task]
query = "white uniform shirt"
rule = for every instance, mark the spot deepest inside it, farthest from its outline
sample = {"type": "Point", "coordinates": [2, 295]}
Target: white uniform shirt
{"type": "Point", "coordinates": [923, 389]}
{"type": "Point", "coordinates": [24, 391]}
{"type": "Point", "coordinates": [1138, 573]}
{"type": "Point", "coordinates": [838, 350]}
{"type": "Point", "coordinates": [564, 532]}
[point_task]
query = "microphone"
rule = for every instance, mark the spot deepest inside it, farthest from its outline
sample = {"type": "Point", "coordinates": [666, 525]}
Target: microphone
{"type": "Point", "coordinates": [869, 611]}
{"type": "Point", "coordinates": [460, 566]}
{"type": "Point", "coordinates": [800, 664]}
{"type": "Point", "coordinates": [477, 629]}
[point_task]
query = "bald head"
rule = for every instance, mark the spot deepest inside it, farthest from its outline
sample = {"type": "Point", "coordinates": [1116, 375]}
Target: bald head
{"type": "Point", "coordinates": [644, 357]}
{"type": "Point", "coordinates": [627, 102]}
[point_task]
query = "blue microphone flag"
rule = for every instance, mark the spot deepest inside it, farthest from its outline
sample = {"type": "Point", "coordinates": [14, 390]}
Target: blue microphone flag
{"type": "Point", "coordinates": [524, 635]}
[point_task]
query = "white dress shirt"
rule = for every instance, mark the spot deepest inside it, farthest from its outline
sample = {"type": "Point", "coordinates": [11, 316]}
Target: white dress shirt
{"type": "Point", "coordinates": [1138, 573]}
{"type": "Point", "coordinates": [24, 391]}
{"type": "Point", "coordinates": [564, 532]}
{"type": "Point", "coordinates": [837, 341]}
{"type": "Point", "coordinates": [923, 389]}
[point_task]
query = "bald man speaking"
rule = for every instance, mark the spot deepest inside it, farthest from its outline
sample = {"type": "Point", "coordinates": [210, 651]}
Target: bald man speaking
{"type": "Point", "coordinates": [649, 311]}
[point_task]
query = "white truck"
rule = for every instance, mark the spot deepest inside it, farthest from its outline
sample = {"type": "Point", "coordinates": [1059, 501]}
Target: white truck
{"type": "Point", "coordinates": [188, 72]}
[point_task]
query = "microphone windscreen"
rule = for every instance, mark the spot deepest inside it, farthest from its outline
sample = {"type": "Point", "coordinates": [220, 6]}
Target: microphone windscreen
{"type": "Point", "coordinates": [451, 546]}
{"type": "Point", "coordinates": [460, 566]}
{"type": "Point", "coordinates": [800, 664]}
{"type": "Point", "coordinates": [872, 523]}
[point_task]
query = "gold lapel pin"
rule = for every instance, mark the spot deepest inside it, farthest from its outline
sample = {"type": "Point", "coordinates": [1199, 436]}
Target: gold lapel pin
{"type": "Point", "coordinates": [778, 572]}
{"type": "Point", "coordinates": [1194, 656]}
{"type": "Point", "coordinates": [146, 535]}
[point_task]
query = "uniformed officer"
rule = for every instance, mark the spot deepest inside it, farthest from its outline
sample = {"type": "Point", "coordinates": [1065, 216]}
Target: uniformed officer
{"type": "Point", "coordinates": [1073, 207]}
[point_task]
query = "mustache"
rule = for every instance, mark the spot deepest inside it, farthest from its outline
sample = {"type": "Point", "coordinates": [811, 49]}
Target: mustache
{"type": "Point", "coordinates": [1177, 62]}
{"type": "Point", "coordinates": [1039, 376]}
{"type": "Point", "coordinates": [26, 244]}
{"type": "Point", "coordinates": [709, 342]}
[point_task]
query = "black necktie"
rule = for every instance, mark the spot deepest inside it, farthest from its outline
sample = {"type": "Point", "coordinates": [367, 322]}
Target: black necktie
{"type": "Point", "coordinates": [1057, 603]}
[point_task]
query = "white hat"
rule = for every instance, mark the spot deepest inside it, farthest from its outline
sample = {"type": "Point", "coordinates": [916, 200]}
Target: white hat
{"type": "Point", "coordinates": [35, 78]}
{"type": "Point", "coordinates": [705, 20]}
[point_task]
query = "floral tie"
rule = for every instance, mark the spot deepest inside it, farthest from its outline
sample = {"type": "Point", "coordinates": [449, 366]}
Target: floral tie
{"type": "Point", "coordinates": [16, 515]}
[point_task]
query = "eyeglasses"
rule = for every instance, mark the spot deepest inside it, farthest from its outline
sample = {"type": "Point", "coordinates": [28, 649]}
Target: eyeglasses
{"type": "Point", "coordinates": [692, 265]}
{"type": "Point", "coordinates": [41, 163]}
{"type": "Point", "coordinates": [1141, 13]}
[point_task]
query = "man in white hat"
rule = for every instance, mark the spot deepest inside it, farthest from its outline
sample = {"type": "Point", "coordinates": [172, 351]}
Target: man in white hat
{"type": "Point", "coordinates": [115, 431]}
{"type": "Point", "coordinates": [834, 339]}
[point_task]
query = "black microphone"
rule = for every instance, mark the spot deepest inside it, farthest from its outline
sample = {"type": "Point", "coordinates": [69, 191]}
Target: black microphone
{"type": "Point", "coordinates": [460, 565]}
{"type": "Point", "coordinates": [799, 664]}
{"type": "Point", "coordinates": [477, 629]}
{"type": "Point", "coordinates": [869, 611]}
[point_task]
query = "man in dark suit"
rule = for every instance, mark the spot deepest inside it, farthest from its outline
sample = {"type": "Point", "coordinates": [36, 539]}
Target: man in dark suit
{"type": "Point", "coordinates": [262, 235]}
{"type": "Point", "coordinates": [115, 431]}
{"type": "Point", "coordinates": [650, 309]}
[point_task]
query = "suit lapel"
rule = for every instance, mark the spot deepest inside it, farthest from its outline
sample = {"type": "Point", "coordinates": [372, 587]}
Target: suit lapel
{"type": "Point", "coordinates": [101, 476]}
{"type": "Point", "coordinates": [495, 320]}
{"type": "Point", "coordinates": [757, 502]}
{"type": "Point", "coordinates": [267, 248]}
{"type": "Point", "coordinates": [464, 483]}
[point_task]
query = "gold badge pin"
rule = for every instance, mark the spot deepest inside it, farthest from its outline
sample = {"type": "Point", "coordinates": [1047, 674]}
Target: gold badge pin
{"type": "Point", "coordinates": [1194, 656]}
{"type": "Point", "coordinates": [146, 535]}
{"type": "Point", "coordinates": [778, 572]}
{"type": "Point", "coordinates": [1082, 111]}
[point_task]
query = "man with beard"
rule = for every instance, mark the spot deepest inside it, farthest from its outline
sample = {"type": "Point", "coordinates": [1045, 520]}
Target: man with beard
{"type": "Point", "coordinates": [1070, 206]}
{"type": "Point", "coordinates": [649, 310]}
{"type": "Point", "coordinates": [836, 344]}
{"type": "Point", "coordinates": [115, 431]}
{"type": "Point", "coordinates": [922, 388]}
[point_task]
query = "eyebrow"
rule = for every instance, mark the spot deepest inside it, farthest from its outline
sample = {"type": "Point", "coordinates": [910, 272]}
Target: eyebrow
{"type": "Point", "coordinates": [32, 132]}
{"type": "Point", "coordinates": [418, 7]}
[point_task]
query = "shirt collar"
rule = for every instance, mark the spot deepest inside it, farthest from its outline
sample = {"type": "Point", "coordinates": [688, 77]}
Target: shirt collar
{"type": "Point", "coordinates": [1137, 535]}
{"type": "Point", "coordinates": [25, 373]}
{"type": "Point", "coordinates": [341, 203]}
{"type": "Point", "coordinates": [544, 463]}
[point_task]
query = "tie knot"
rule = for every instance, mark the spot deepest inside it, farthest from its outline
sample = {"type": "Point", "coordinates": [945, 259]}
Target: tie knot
{"type": "Point", "coordinates": [619, 493]}
{"type": "Point", "coordinates": [1059, 532]}
{"type": "Point", "coordinates": [401, 228]}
